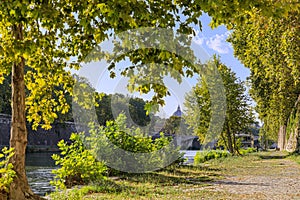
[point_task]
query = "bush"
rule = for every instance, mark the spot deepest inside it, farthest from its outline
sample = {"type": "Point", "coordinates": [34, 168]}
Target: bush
{"type": "Point", "coordinates": [78, 165]}
{"type": "Point", "coordinates": [203, 156]}
{"type": "Point", "coordinates": [6, 169]}
{"type": "Point", "coordinates": [127, 149]}
{"type": "Point", "coordinates": [246, 151]}
{"type": "Point", "coordinates": [119, 147]}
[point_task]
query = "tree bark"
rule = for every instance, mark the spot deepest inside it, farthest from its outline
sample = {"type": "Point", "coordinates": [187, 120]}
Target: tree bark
{"type": "Point", "coordinates": [282, 138]}
{"type": "Point", "coordinates": [298, 142]}
{"type": "Point", "coordinates": [266, 142]}
{"type": "Point", "coordinates": [224, 139]}
{"type": "Point", "coordinates": [236, 148]}
{"type": "Point", "coordinates": [293, 128]}
{"type": "Point", "coordinates": [296, 106]}
{"type": "Point", "coordinates": [19, 189]}
{"type": "Point", "coordinates": [229, 139]}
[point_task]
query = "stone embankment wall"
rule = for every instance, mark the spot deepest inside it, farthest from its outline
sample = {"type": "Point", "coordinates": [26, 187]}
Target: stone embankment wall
{"type": "Point", "coordinates": [40, 139]}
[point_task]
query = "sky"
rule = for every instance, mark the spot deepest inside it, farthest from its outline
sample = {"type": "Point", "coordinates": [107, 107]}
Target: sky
{"type": "Point", "coordinates": [213, 41]}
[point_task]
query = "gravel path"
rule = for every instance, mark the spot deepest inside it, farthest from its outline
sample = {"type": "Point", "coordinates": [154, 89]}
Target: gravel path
{"type": "Point", "coordinates": [266, 178]}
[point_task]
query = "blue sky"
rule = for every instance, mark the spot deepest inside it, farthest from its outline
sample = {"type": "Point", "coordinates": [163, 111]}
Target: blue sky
{"type": "Point", "coordinates": [213, 41]}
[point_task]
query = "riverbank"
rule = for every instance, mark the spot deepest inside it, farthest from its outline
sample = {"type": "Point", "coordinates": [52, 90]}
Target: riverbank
{"type": "Point", "coordinates": [267, 175]}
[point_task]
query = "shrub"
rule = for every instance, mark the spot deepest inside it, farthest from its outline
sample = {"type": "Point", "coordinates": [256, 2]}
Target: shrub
{"type": "Point", "coordinates": [6, 169]}
{"type": "Point", "coordinates": [113, 145]}
{"type": "Point", "coordinates": [129, 149]}
{"type": "Point", "coordinates": [78, 165]}
{"type": "Point", "coordinates": [203, 156]}
{"type": "Point", "coordinates": [246, 151]}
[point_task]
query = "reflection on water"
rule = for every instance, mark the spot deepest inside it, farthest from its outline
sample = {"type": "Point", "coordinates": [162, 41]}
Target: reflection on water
{"type": "Point", "coordinates": [39, 180]}
{"type": "Point", "coordinates": [38, 170]}
{"type": "Point", "coordinates": [189, 155]}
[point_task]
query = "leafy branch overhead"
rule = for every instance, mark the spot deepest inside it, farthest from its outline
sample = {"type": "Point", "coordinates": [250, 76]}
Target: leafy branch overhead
{"type": "Point", "coordinates": [50, 44]}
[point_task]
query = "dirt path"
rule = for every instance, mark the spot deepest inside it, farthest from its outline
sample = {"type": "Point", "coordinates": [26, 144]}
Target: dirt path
{"type": "Point", "coordinates": [269, 177]}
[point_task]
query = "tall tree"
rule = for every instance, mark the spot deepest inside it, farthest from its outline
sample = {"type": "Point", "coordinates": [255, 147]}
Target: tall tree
{"type": "Point", "coordinates": [270, 47]}
{"type": "Point", "coordinates": [238, 117]}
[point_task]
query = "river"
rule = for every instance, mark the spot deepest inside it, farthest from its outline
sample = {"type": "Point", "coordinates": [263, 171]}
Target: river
{"type": "Point", "coordinates": [189, 155]}
{"type": "Point", "coordinates": [40, 165]}
{"type": "Point", "coordinates": [38, 169]}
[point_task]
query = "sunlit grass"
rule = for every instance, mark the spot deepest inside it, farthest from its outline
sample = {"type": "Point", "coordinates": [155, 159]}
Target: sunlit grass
{"type": "Point", "coordinates": [173, 183]}
{"type": "Point", "coordinates": [295, 157]}
{"type": "Point", "coordinates": [183, 182]}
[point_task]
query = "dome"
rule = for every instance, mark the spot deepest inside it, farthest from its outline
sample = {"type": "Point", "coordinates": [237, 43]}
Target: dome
{"type": "Point", "coordinates": [178, 112]}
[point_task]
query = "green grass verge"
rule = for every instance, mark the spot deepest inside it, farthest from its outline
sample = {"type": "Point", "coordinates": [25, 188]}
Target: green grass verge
{"type": "Point", "coordinates": [295, 157]}
{"type": "Point", "coordinates": [174, 183]}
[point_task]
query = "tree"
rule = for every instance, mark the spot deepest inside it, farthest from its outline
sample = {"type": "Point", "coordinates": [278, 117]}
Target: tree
{"type": "Point", "coordinates": [176, 125]}
{"type": "Point", "coordinates": [269, 47]}
{"type": "Point", "coordinates": [110, 106]}
{"type": "Point", "coordinates": [172, 125]}
{"type": "Point", "coordinates": [238, 117]}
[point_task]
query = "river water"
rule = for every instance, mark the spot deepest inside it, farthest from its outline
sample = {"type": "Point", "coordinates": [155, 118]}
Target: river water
{"type": "Point", "coordinates": [189, 155]}
{"type": "Point", "coordinates": [38, 169]}
{"type": "Point", "coordinates": [40, 165]}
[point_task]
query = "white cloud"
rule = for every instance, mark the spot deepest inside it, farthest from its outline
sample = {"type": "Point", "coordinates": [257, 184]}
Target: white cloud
{"type": "Point", "coordinates": [197, 38]}
{"type": "Point", "coordinates": [219, 44]}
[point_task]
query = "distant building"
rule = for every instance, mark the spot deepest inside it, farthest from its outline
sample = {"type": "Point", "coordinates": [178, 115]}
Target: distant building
{"type": "Point", "coordinates": [178, 112]}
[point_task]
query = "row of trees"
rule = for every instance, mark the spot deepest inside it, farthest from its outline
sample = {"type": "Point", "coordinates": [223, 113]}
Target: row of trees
{"type": "Point", "coordinates": [44, 35]}
{"type": "Point", "coordinates": [270, 47]}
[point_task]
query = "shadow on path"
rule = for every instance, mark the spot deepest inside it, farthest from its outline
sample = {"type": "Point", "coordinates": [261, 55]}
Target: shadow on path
{"type": "Point", "coordinates": [273, 156]}
{"type": "Point", "coordinates": [238, 183]}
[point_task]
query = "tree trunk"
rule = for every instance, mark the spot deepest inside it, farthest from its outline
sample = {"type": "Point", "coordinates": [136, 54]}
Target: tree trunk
{"type": "Point", "coordinates": [292, 143]}
{"type": "Point", "coordinates": [297, 129]}
{"type": "Point", "coordinates": [282, 137]}
{"type": "Point", "coordinates": [19, 189]}
{"type": "Point", "coordinates": [236, 148]}
{"type": "Point", "coordinates": [224, 139]}
{"type": "Point", "coordinates": [266, 142]}
{"type": "Point", "coordinates": [298, 142]}
{"type": "Point", "coordinates": [229, 140]}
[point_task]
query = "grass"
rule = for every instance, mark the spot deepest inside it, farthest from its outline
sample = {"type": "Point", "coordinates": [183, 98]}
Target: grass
{"type": "Point", "coordinates": [295, 157]}
{"type": "Point", "coordinates": [171, 183]}
{"type": "Point", "coordinates": [262, 163]}
{"type": "Point", "coordinates": [184, 182]}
